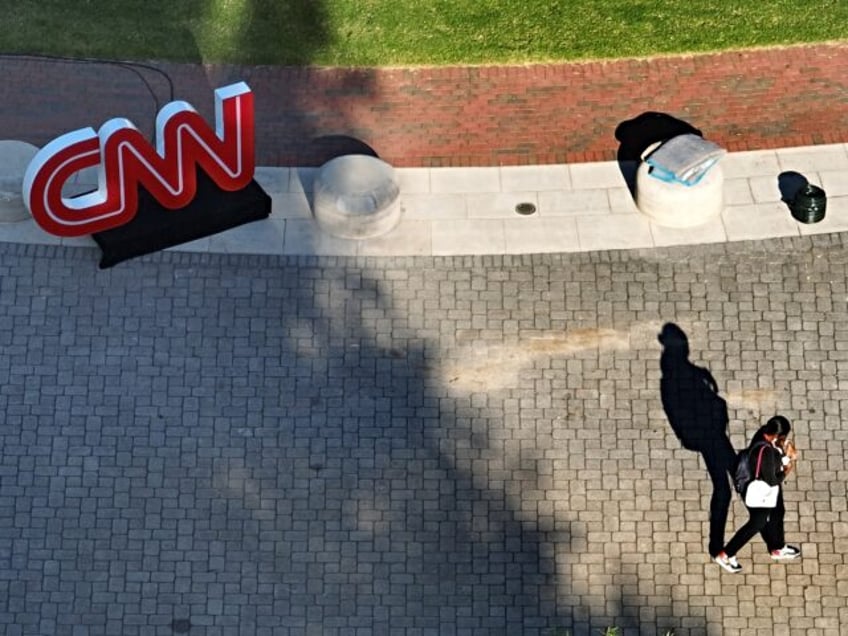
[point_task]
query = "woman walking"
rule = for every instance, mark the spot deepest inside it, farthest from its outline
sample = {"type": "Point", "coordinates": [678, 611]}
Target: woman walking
{"type": "Point", "coordinates": [772, 457]}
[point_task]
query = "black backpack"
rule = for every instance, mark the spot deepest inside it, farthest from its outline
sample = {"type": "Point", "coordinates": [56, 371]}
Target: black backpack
{"type": "Point", "coordinates": [743, 475]}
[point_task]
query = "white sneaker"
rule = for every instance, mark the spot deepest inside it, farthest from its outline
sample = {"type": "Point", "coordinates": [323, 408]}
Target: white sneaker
{"type": "Point", "coordinates": [728, 563]}
{"type": "Point", "coordinates": [786, 552]}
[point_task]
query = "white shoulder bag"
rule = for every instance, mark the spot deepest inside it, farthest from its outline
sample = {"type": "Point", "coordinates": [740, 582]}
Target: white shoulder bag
{"type": "Point", "coordinates": [759, 494]}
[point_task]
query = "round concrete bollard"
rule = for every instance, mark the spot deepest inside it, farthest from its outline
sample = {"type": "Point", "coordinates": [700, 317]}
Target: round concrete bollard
{"type": "Point", "coordinates": [356, 197]}
{"type": "Point", "coordinates": [677, 205]}
{"type": "Point", "coordinates": [14, 159]}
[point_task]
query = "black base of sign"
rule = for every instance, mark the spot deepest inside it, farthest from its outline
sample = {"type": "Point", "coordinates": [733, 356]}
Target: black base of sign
{"type": "Point", "coordinates": [154, 227]}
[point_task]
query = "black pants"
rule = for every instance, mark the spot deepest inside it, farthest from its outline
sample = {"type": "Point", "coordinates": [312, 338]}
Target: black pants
{"type": "Point", "coordinates": [767, 521]}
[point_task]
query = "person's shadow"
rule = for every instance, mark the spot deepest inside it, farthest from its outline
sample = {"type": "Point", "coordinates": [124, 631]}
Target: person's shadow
{"type": "Point", "coordinates": [698, 416]}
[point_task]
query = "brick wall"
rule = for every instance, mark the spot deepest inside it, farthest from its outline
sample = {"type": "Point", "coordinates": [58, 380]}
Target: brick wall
{"type": "Point", "coordinates": [454, 116]}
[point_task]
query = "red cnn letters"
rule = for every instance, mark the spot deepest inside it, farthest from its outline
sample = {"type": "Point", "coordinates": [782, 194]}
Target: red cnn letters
{"type": "Point", "coordinates": [125, 160]}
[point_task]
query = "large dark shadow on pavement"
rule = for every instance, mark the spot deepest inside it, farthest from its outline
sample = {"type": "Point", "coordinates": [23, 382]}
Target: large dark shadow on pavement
{"type": "Point", "coordinates": [270, 446]}
{"type": "Point", "coordinates": [401, 497]}
{"type": "Point", "coordinates": [346, 487]}
{"type": "Point", "coordinates": [430, 540]}
{"type": "Point", "coordinates": [698, 416]}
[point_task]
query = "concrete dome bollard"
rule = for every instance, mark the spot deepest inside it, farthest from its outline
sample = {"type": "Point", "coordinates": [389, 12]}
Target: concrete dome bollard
{"type": "Point", "coordinates": [676, 205]}
{"type": "Point", "coordinates": [15, 156]}
{"type": "Point", "coordinates": [356, 197]}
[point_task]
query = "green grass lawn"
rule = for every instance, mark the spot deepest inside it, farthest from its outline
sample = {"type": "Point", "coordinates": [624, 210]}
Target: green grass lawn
{"type": "Point", "coordinates": [408, 32]}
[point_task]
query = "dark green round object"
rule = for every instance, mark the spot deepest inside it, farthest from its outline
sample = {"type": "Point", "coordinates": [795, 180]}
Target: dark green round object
{"type": "Point", "coordinates": [809, 204]}
{"type": "Point", "coordinates": [525, 209]}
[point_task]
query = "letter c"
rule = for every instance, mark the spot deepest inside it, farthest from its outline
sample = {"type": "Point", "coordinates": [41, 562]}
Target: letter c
{"type": "Point", "coordinates": [50, 170]}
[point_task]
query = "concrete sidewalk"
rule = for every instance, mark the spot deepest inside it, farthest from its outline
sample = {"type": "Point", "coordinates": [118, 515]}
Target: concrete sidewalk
{"type": "Point", "coordinates": [580, 207]}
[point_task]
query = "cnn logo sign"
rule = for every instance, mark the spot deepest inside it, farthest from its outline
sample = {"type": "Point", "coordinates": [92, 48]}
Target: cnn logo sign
{"type": "Point", "coordinates": [125, 160]}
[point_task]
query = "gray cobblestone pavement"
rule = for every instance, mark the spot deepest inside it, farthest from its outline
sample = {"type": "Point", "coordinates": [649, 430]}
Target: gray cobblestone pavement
{"type": "Point", "coordinates": [212, 444]}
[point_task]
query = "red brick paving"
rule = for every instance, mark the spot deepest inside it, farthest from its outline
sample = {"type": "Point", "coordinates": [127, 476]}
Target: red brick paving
{"type": "Point", "coordinates": [456, 116]}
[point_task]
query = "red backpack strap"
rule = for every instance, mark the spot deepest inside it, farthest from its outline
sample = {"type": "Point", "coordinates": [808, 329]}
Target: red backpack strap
{"type": "Point", "coordinates": [759, 462]}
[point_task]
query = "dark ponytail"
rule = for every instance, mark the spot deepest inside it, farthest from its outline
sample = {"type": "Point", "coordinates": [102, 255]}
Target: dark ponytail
{"type": "Point", "coordinates": [777, 425]}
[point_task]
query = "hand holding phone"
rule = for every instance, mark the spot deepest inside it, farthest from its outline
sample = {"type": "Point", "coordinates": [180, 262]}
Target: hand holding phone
{"type": "Point", "coordinates": [789, 449]}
